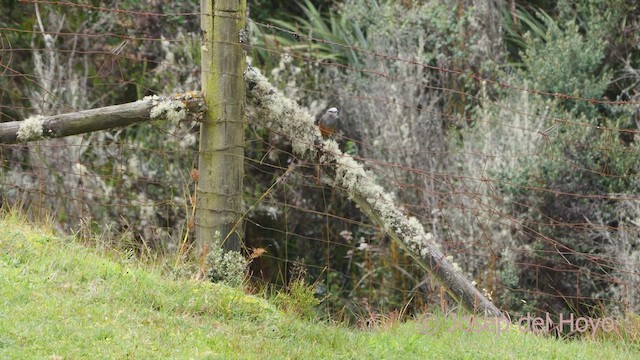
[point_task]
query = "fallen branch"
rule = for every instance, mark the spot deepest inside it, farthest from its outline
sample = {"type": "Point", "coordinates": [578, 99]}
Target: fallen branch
{"type": "Point", "coordinates": [284, 116]}
{"type": "Point", "coordinates": [150, 108]}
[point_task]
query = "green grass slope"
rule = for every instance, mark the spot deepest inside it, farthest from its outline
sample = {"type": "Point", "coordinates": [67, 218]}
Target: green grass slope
{"type": "Point", "coordinates": [61, 300]}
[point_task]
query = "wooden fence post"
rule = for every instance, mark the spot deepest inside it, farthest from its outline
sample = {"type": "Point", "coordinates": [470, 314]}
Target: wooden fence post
{"type": "Point", "coordinates": [220, 163]}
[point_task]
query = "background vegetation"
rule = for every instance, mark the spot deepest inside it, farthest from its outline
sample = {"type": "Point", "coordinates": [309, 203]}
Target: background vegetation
{"type": "Point", "coordinates": [133, 186]}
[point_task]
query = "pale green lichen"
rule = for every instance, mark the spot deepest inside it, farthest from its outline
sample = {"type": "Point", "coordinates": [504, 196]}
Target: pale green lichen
{"type": "Point", "coordinates": [152, 98]}
{"type": "Point", "coordinates": [172, 110]}
{"type": "Point", "coordinates": [455, 264]}
{"type": "Point", "coordinates": [31, 129]}
{"type": "Point", "coordinates": [281, 114]}
{"type": "Point", "coordinates": [331, 149]}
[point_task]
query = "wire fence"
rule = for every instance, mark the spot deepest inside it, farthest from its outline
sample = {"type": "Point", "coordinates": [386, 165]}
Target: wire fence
{"type": "Point", "coordinates": [536, 203]}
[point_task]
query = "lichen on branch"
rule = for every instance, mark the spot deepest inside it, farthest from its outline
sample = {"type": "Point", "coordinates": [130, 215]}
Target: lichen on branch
{"type": "Point", "coordinates": [281, 114]}
{"type": "Point", "coordinates": [170, 109]}
{"type": "Point", "coordinates": [31, 129]}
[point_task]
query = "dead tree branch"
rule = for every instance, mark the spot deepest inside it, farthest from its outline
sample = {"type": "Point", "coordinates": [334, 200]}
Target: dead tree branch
{"type": "Point", "coordinates": [150, 108]}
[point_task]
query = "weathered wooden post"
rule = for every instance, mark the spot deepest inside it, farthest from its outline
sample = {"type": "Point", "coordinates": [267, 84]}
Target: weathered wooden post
{"type": "Point", "coordinates": [220, 164]}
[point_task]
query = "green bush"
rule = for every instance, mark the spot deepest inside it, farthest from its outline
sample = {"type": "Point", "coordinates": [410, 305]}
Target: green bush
{"type": "Point", "coordinates": [561, 170]}
{"type": "Point", "coordinates": [226, 267]}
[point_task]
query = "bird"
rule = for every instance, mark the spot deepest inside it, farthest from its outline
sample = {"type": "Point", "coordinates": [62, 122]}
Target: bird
{"type": "Point", "coordinates": [328, 123]}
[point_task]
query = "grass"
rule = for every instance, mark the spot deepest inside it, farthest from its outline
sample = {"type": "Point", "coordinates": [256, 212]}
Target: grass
{"type": "Point", "coordinates": [63, 300]}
